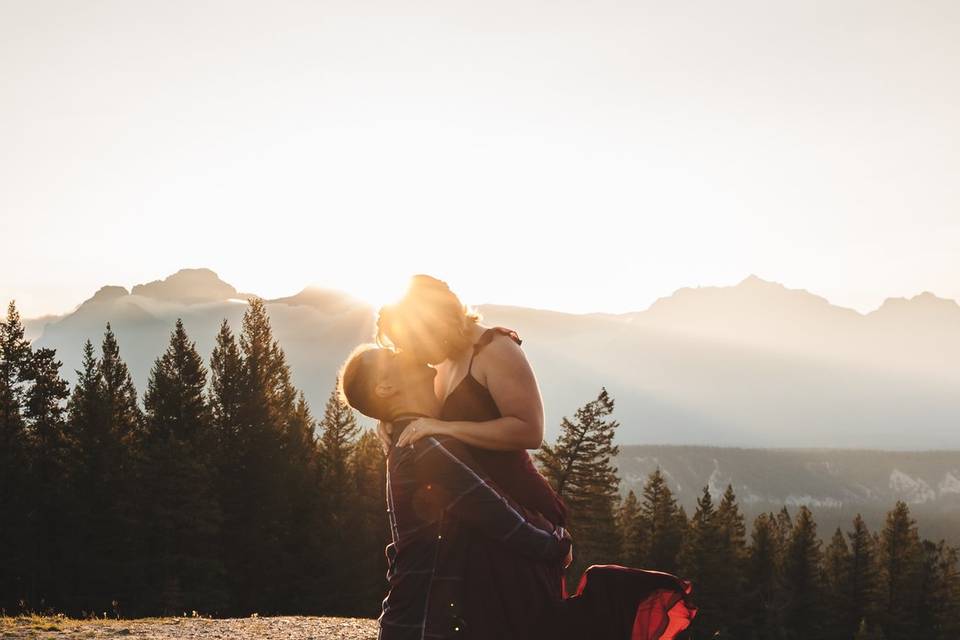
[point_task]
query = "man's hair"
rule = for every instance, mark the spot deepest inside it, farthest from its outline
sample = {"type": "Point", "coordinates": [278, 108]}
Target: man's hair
{"type": "Point", "coordinates": [358, 383]}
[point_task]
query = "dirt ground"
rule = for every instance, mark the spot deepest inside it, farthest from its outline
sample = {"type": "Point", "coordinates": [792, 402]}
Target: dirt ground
{"type": "Point", "coordinates": [253, 628]}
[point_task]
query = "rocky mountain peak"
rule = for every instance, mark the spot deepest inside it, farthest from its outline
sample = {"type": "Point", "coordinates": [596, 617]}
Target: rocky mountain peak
{"type": "Point", "coordinates": [107, 293]}
{"type": "Point", "coordinates": [755, 281]}
{"type": "Point", "coordinates": [925, 304]}
{"type": "Point", "coordinates": [188, 286]}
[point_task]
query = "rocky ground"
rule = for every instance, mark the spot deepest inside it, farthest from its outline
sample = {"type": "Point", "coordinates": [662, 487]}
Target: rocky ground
{"type": "Point", "coordinates": [253, 628]}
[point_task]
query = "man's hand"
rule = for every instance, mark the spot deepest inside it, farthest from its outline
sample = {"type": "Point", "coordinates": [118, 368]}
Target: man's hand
{"type": "Point", "coordinates": [384, 429]}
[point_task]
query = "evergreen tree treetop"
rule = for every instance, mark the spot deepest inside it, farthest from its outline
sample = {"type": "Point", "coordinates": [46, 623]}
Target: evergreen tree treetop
{"type": "Point", "coordinates": [175, 400]}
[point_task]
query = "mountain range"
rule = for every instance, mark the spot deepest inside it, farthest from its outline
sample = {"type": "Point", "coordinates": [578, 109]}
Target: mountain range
{"type": "Point", "coordinates": [750, 365]}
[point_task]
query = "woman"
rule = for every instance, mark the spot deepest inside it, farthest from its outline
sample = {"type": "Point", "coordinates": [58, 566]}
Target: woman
{"type": "Point", "coordinates": [490, 400]}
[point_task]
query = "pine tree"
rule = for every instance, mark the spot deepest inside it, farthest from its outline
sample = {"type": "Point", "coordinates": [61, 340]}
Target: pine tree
{"type": "Point", "coordinates": [308, 536]}
{"type": "Point", "coordinates": [660, 531]}
{"type": "Point", "coordinates": [950, 574]}
{"type": "Point", "coordinates": [734, 548]}
{"type": "Point", "coordinates": [862, 595]}
{"type": "Point", "coordinates": [339, 432]}
{"type": "Point", "coordinates": [106, 424]}
{"type": "Point", "coordinates": [50, 451]}
{"type": "Point", "coordinates": [836, 571]}
{"type": "Point", "coordinates": [579, 467]}
{"type": "Point", "coordinates": [372, 531]}
{"type": "Point", "coordinates": [227, 392]}
{"type": "Point", "coordinates": [180, 500]}
{"type": "Point", "coordinates": [338, 438]}
{"type": "Point", "coordinates": [628, 527]}
{"type": "Point", "coordinates": [258, 549]}
{"type": "Point", "coordinates": [938, 612]}
{"type": "Point", "coordinates": [120, 396]}
{"type": "Point", "coordinates": [226, 397]}
{"type": "Point", "coordinates": [802, 578]}
{"type": "Point", "coordinates": [764, 598]}
{"type": "Point", "coordinates": [15, 553]}
{"type": "Point", "coordinates": [121, 544]}
{"type": "Point", "coordinates": [900, 559]}
{"type": "Point", "coordinates": [783, 526]}
{"type": "Point", "coordinates": [731, 523]}
{"type": "Point", "coordinates": [703, 562]}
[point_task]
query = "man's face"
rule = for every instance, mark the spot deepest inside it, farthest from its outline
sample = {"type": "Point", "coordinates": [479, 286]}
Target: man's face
{"type": "Point", "coordinates": [399, 374]}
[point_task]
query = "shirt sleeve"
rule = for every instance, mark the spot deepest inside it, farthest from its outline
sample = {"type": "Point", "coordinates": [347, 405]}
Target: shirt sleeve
{"type": "Point", "coordinates": [457, 484]}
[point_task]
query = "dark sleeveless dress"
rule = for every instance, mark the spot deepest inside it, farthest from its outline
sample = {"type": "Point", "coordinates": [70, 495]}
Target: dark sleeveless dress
{"type": "Point", "coordinates": [510, 598]}
{"type": "Point", "coordinates": [503, 592]}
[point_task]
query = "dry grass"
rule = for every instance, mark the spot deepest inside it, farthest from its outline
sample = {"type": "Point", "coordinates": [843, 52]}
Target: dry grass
{"type": "Point", "coordinates": [253, 628]}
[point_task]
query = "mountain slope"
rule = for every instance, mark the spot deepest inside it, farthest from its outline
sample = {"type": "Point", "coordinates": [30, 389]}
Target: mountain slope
{"type": "Point", "coordinates": [755, 364]}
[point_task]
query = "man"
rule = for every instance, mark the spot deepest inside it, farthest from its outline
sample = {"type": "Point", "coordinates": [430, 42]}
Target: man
{"type": "Point", "coordinates": [437, 497]}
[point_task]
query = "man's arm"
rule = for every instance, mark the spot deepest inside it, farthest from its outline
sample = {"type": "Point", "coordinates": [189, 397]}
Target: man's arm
{"type": "Point", "coordinates": [459, 485]}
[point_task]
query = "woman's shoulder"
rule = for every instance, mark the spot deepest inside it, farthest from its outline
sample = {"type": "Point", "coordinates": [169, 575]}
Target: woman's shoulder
{"type": "Point", "coordinates": [498, 350]}
{"type": "Point", "coordinates": [490, 335]}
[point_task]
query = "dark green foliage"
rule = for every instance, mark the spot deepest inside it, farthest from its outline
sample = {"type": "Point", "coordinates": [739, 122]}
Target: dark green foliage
{"type": "Point", "coordinates": [182, 570]}
{"type": "Point", "coordinates": [260, 549]}
{"type": "Point", "coordinates": [50, 451]}
{"type": "Point", "coordinates": [106, 424]}
{"type": "Point", "coordinates": [651, 530]}
{"type": "Point", "coordinates": [227, 497]}
{"type": "Point", "coordinates": [306, 541]}
{"type": "Point", "coordinates": [369, 524]}
{"type": "Point", "coordinates": [704, 561]}
{"type": "Point", "coordinates": [862, 600]}
{"type": "Point", "coordinates": [734, 553]}
{"type": "Point", "coordinates": [579, 467]}
{"type": "Point", "coordinates": [226, 398]}
{"type": "Point", "coordinates": [628, 527]}
{"type": "Point", "coordinates": [661, 525]}
{"type": "Point", "coordinates": [338, 438]}
{"type": "Point", "coordinates": [900, 574]}
{"type": "Point", "coordinates": [802, 578]}
{"type": "Point", "coordinates": [15, 551]}
{"type": "Point", "coordinates": [837, 591]}
{"type": "Point", "coordinates": [764, 599]}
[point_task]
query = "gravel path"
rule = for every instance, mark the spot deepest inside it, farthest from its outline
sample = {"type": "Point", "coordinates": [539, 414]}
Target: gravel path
{"type": "Point", "coordinates": [253, 628]}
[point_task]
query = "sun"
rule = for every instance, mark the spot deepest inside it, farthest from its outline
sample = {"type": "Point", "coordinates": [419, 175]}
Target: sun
{"type": "Point", "coordinates": [383, 289]}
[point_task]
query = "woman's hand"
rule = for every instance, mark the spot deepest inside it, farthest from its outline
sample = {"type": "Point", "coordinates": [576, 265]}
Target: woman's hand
{"type": "Point", "coordinates": [568, 560]}
{"type": "Point", "coordinates": [421, 428]}
{"type": "Point", "coordinates": [384, 429]}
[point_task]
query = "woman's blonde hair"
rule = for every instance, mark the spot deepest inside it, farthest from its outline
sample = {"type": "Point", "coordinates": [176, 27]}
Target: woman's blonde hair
{"type": "Point", "coordinates": [428, 308]}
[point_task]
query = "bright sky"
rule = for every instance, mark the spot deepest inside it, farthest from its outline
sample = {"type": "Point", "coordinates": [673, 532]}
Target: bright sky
{"type": "Point", "coordinates": [571, 155]}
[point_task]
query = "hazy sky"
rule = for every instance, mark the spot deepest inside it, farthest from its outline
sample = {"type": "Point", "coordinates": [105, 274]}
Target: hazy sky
{"type": "Point", "coordinates": [570, 155]}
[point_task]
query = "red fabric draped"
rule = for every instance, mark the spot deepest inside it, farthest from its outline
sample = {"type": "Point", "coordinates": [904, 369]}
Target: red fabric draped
{"type": "Point", "coordinates": [613, 602]}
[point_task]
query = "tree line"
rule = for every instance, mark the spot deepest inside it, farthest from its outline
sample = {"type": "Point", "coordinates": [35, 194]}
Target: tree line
{"type": "Point", "coordinates": [218, 492]}
{"type": "Point", "coordinates": [780, 582]}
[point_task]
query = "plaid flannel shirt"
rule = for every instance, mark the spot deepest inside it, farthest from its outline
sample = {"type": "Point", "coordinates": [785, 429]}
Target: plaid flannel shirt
{"type": "Point", "coordinates": [437, 498]}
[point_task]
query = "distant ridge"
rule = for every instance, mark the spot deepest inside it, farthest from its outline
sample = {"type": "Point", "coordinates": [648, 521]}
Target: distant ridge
{"type": "Point", "coordinates": [752, 364]}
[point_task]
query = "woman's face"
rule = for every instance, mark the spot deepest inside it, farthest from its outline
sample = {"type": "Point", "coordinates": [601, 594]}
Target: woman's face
{"type": "Point", "coordinates": [423, 340]}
